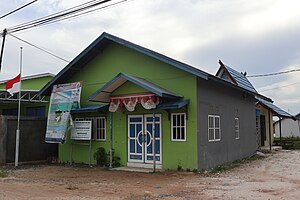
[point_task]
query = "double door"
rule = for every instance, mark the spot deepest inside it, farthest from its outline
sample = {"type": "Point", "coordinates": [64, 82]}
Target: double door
{"type": "Point", "coordinates": [140, 138]}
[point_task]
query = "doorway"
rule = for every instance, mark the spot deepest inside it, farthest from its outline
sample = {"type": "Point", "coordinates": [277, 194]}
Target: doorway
{"type": "Point", "coordinates": [140, 139]}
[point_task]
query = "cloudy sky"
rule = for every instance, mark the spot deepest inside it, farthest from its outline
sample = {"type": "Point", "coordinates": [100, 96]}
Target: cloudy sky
{"type": "Point", "coordinates": [258, 37]}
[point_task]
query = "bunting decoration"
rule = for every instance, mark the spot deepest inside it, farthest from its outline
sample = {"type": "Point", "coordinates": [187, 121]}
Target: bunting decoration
{"type": "Point", "coordinates": [148, 101]}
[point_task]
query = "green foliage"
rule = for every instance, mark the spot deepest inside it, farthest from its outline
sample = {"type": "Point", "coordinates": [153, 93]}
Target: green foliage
{"type": "Point", "coordinates": [115, 160]}
{"type": "Point", "coordinates": [103, 158]}
{"type": "Point", "coordinates": [179, 168]}
{"type": "Point", "coordinates": [288, 142]}
{"type": "Point", "coordinates": [3, 173]}
{"type": "Point", "coordinates": [229, 166]}
{"type": "Point", "coordinates": [195, 170]}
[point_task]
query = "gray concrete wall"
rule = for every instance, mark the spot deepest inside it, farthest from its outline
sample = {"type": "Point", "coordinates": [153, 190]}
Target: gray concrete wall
{"type": "Point", "coordinates": [217, 99]}
{"type": "Point", "coordinates": [32, 139]}
{"type": "Point", "coordinates": [3, 131]}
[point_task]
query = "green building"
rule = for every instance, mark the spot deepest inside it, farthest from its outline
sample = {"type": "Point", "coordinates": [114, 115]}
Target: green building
{"type": "Point", "coordinates": [32, 104]}
{"type": "Point", "coordinates": [131, 93]}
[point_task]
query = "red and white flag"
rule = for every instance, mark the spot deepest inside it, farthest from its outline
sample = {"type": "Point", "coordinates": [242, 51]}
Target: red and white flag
{"type": "Point", "coordinates": [13, 85]}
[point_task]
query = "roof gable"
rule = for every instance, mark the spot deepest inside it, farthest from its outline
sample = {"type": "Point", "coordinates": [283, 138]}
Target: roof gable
{"type": "Point", "coordinates": [103, 94]}
{"type": "Point", "coordinates": [227, 73]}
{"type": "Point", "coordinates": [96, 47]}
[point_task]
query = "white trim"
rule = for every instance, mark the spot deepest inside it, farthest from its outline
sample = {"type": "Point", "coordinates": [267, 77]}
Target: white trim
{"type": "Point", "coordinates": [214, 128]}
{"type": "Point", "coordinates": [94, 134]}
{"type": "Point", "coordinates": [236, 119]}
{"type": "Point", "coordinates": [128, 138]}
{"type": "Point", "coordinates": [178, 140]}
{"type": "Point", "coordinates": [160, 138]}
{"type": "Point", "coordinates": [144, 162]}
{"type": "Point", "coordinates": [104, 139]}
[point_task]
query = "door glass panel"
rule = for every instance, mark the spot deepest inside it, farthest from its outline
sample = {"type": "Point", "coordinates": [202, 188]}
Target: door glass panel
{"type": "Point", "coordinates": [132, 130]}
{"type": "Point", "coordinates": [132, 145]}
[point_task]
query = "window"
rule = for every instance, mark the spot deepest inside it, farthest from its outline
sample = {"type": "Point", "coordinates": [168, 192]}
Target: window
{"type": "Point", "coordinates": [100, 133]}
{"type": "Point", "coordinates": [214, 128]}
{"type": "Point", "coordinates": [178, 126]}
{"type": "Point", "coordinates": [236, 128]}
{"type": "Point", "coordinates": [98, 127]}
{"type": "Point", "coordinates": [36, 111]}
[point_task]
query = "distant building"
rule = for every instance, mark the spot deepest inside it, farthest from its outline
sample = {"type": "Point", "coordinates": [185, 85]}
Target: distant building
{"type": "Point", "coordinates": [289, 127]}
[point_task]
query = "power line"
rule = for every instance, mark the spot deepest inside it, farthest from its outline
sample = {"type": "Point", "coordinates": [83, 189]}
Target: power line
{"type": "Point", "coordinates": [41, 49]}
{"type": "Point", "coordinates": [273, 74]}
{"type": "Point", "coordinates": [65, 14]}
{"type": "Point", "coordinates": [280, 87]}
{"type": "Point", "coordinates": [18, 9]}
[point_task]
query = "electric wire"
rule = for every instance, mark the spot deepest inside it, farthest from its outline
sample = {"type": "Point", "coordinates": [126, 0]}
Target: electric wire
{"type": "Point", "coordinates": [55, 16]}
{"type": "Point", "coordinates": [273, 74]}
{"type": "Point", "coordinates": [41, 49]}
{"type": "Point", "coordinates": [11, 12]}
{"type": "Point", "coordinates": [76, 11]}
{"type": "Point", "coordinates": [283, 86]}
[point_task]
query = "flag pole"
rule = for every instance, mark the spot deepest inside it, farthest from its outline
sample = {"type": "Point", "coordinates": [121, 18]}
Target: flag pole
{"type": "Point", "coordinates": [19, 113]}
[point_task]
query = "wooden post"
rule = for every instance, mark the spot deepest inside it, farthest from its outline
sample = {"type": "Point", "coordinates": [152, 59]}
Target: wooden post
{"type": "Point", "coordinates": [280, 130]}
{"type": "Point", "coordinates": [270, 134]}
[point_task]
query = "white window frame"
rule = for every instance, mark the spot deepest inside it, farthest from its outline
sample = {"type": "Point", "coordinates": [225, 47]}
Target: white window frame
{"type": "Point", "coordinates": [94, 121]}
{"type": "Point", "coordinates": [214, 128]}
{"type": "Point", "coordinates": [178, 126]}
{"type": "Point", "coordinates": [98, 129]}
{"type": "Point", "coordinates": [236, 128]}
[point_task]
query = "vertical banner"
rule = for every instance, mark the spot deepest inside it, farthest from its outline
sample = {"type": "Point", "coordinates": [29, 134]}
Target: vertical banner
{"type": "Point", "coordinates": [64, 98]}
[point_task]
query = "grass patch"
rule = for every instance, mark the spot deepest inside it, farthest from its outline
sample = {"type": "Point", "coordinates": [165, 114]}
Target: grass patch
{"type": "Point", "coordinates": [3, 173]}
{"type": "Point", "coordinates": [223, 168]}
{"type": "Point", "coordinates": [288, 142]}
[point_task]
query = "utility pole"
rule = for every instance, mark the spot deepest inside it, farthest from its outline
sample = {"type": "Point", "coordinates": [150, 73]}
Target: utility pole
{"type": "Point", "coordinates": [2, 46]}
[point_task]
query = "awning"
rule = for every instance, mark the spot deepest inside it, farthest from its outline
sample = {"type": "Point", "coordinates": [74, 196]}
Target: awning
{"type": "Point", "coordinates": [174, 104]}
{"type": "Point", "coordinates": [274, 109]}
{"type": "Point", "coordinates": [27, 96]}
{"type": "Point", "coordinates": [90, 109]}
{"type": "Point", "coordinates": [103, 94]}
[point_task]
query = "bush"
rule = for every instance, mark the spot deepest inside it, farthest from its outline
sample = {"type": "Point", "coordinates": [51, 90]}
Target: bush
{"type": "Point", "coordinates": [103, 158]}
{"type": "Point", "coordinates": [3, 173]}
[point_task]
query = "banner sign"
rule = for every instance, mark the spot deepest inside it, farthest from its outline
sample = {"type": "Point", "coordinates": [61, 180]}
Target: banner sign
{"type": "Point", "coordinates": [82, 130]}
{"type": "Point", "coordinates": [64, 98]}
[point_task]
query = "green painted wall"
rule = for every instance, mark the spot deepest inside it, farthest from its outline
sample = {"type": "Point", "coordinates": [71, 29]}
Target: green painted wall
{"type": "Point", "coordinates": [29, 84]}
{"type": "Point", "coordinates": [115, 59]}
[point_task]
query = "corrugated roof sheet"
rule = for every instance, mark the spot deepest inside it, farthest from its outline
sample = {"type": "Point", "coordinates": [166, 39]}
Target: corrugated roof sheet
{"type": "Point", "coordinates": [173, 104]}
{"type": "Point", "coordinates": [278, 111]}
{"type": "Point", "coordinates": [240, 79]}
{"type": "Point", "coordinates": [90, 109]}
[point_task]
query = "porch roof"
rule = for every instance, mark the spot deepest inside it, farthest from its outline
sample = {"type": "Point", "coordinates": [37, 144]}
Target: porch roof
{"type": "Point", "coordinates": [174, 104]}
{"type": "Point", "coordinates": [103, 94]}
{"type": "Point", "coordinates": [90, 109]}
{"type": "Point", "coordinates": [273, 108]}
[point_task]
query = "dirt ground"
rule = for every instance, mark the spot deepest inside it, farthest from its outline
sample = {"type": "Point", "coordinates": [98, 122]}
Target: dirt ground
{"type": "Point", "coordinates": [275, 177]}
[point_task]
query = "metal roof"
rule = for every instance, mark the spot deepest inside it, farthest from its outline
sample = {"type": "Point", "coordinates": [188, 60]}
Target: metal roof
{"type": "Point", "coordinates": [90, 109]}
{"type": "Point", "coordinates": [98, 45]}
{"type": "Point", "coordinates": [236, 77]}
{"type": "Point", "coordinates": [103, 94]}
{"type": "Point", "coordinates": [32, 77]}
{"type": "Point", "coordinates": [276, 110]}
{"type": "Point", "coordinates": [173, 104]}
{"type": "Point", "coordinates": [27, 96]}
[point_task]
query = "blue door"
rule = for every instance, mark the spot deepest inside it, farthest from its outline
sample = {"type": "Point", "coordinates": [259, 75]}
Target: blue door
{"type": "Point", "coordinates": [140, 138]}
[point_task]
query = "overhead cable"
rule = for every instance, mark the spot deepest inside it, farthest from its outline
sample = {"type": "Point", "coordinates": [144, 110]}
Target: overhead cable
{"type": "Point", "coordinates": [65, 14]}
{"type": "Point", "coordinates": [44, 50]}
{"type": "Point", "coordinates": [273, 74]}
